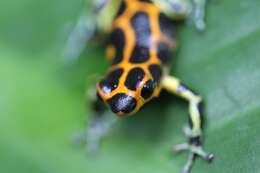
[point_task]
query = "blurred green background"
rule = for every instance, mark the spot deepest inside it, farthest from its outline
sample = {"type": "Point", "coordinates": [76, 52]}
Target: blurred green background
{"type": "Point", "coordinates": [42, 101]}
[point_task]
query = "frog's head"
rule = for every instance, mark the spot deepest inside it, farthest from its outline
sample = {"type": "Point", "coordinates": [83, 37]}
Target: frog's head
{"type": "Point", "coordinates": [125, 91]}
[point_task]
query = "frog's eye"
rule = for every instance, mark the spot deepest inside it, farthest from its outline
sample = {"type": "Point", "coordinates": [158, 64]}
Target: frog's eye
{"type": "Point", "coordinates": [148, 89]}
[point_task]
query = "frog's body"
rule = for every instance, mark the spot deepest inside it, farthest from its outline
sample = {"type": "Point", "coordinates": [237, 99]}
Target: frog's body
{"type": "Point", "coordinates": [142, 37]}
{"type": "Point", "coordinates": [140, 44]}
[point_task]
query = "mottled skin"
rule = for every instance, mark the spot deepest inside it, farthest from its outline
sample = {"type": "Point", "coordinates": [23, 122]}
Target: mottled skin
{"type": "Point", "coordinates": [142, 40]}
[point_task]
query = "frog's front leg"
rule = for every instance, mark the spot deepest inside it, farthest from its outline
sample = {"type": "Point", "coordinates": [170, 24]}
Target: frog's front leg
{"type": "Point", "coordinates": [193, 10]}
{"type": "Point", "coordinates": [99, 124]}
{"type": "Point", "coordinates": [194, 132]}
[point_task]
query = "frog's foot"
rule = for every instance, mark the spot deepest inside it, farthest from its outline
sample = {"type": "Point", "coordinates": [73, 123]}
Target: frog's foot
{"type": "Point", "coordinates": [197, 14]}
{"type": "Point", "coordinates": [195, 149]}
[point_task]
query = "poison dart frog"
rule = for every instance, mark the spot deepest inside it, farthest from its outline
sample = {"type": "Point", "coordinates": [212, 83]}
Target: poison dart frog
{"type": "Point", "coordinates": [141, 42]}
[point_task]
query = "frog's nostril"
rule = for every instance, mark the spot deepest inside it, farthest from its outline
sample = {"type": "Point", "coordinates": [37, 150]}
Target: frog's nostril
{"type": "Point", "coordinates": [122, 103]}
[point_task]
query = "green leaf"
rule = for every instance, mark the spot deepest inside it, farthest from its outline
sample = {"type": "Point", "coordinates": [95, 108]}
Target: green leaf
{"type": "Point", "coordinates": [42, 102]}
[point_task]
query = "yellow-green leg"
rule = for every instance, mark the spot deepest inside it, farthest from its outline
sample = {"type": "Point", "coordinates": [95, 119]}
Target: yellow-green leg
{"type": "Point", "coordinates": [194, 132]}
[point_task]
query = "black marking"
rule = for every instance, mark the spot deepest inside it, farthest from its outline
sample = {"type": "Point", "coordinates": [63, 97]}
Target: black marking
{"type": "Point", "coordinates": [140, 54]}
{"type": "Point", "coordinates": [142, 28]}
{"type": "Point", "coordinates": [163, 52]}
{"type": "Point", "coordinates": [182, 88]}
{"type": "Point", "coordinates": [167, 26]}
{"type": "Point", "coordinates": [110, 82]}
{"type": "Point", "coordinates": [148, 1]}
{"type": "Point", "coordinates": [148, 89]}
{"type": "Point", "coordinates": [121, 9]}
{"type": "Point", "coordinates": [202, 118]}
{"type": "Point", "coordinates": [156, 72]}
{"type": "Point", "coordinates": [134, 77]}
{"type": "Point", "coordinates": [122, 103]}
{"type": "Point", "coordinates": [117, 39]}
{"type": "Point", "coordinates": [196, 141]}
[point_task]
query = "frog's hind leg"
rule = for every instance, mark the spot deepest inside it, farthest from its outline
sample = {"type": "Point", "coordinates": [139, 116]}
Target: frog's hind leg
{"type": "Point", "coordinates": [175, 9]}
{"type": "Point", "coordinates": [84, 30]}
{"type": "Point", "coordinates": [197, 15]}
{"type": "Point", "coordinates": [192, 10]}
{"type": "Point", "coordinates": [194, 132]}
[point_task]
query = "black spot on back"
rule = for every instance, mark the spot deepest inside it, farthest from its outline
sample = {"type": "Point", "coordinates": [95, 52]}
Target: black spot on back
{"type": "Point", "coordinates": [122, 103]}
{"type": "Point", "coordinates": [142, 28]}
{"type": "Point", "coordinates": [140, 54]}
{"type": "Point", "coordinates": [148, 89]}
{"type": "Point", "coordinates": [134, 77]}
{"type": "Point", "coordinates": [156, 72]}
{"type": "Point", "coordinates": [163, 52]}
{"type": "Point", "coordinates": [121, 9]}
{"type": "Point", "coordinates": [167, 26]}
{"type": "Point", "coordinates": [110, 82]}
{"type": "Point", "coordinates": [148, 1]}
{"type": "Point", "coordinates": [117, 39]}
